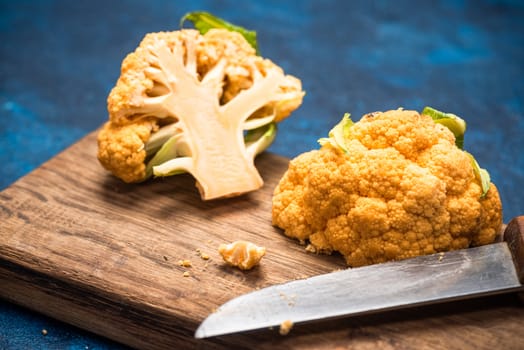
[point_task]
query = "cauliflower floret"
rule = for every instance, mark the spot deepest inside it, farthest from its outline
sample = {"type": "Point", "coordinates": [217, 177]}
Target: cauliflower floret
{"type": "Point", "coordinates": [401, 189]}
{"type": "Point", "coordinates": [121, 148]}
{"type": "Point", "coordinates": [242, 254]}
{"type": "Point", "coordinates": [195, 95]}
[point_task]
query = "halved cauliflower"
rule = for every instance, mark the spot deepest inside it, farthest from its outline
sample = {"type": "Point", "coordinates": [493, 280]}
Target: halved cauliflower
{"type": "Point", "coordinates": [392, 186]}
{"type": "Point", "coordinates": [203, 104]}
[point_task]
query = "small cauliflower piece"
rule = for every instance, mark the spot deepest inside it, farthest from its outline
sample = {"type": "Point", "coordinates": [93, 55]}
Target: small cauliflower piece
{"type": "Point", "coordinates": [184, 263]}
{"type": "Point", "coordinates": [285, 327]}
{"type": "Point", "coordinates": [242, 254]}
{"type": "Point", "coordinates": [206, 104]}
{"type": "Point", "coordinates": [392, 186]}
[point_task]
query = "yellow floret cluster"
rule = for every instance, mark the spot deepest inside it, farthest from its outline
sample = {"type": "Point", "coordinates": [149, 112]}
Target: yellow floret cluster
{"type": "Point", "coordinates": [402, 189]}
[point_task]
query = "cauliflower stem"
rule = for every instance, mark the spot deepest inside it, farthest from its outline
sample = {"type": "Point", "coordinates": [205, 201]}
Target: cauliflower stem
{"type": "Point", "coordinates": [219, 161]}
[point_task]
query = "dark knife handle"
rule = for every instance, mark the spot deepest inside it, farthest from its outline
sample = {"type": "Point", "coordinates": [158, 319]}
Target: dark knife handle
{"type": "Point", "coordinates": [514, 237]}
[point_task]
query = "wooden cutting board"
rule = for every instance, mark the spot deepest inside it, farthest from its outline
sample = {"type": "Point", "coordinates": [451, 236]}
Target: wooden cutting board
{"type": "Point", "coordinates": [83, 247]}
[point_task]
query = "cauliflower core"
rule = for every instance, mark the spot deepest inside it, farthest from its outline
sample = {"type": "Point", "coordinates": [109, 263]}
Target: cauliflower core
{"type": "Point", "coordinates": [200, 92]}
{"type": "Point", "coordinates": [402, 189]}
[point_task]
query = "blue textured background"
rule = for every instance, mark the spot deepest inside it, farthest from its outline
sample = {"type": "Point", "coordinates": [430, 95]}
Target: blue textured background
{"type": "Point", "coordinates": [59, 60]}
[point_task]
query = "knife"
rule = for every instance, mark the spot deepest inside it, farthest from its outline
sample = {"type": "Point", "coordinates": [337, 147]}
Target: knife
{"type": "Point", "coordinates": [461, 274]}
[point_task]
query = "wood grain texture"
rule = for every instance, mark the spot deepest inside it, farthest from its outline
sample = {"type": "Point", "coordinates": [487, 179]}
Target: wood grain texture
{"type": "Point", "coordinates": [85, 248]}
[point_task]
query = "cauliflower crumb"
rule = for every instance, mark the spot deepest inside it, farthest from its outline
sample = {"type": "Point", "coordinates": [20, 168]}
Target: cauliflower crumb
{"type": "Point", "coordinates": [311, 249]}
{"type": "Point", "coordinates": [184, 263]}
{"type": "Point", "coordinates": [242, 254]}
{"type": "Point", "coordinates": [285, 327]}
{"type": "Point", "coordinates": [400, 188]}
{"type": "Point", "coordinates": [202, 255]}
{"type": "Point", "coordinates": [290, 299]}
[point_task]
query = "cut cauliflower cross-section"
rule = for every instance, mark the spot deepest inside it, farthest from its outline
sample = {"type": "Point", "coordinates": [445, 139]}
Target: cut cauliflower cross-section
{"type": "Point", "coordinates": [203, 104]}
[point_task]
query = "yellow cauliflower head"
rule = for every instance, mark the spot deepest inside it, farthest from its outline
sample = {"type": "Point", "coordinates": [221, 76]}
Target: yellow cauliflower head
{"type": "Point", "coordinates": [401, 188]}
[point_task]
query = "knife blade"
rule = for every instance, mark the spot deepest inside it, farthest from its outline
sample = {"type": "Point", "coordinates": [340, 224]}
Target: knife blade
{"type": "Point", "coordinates": [461, 274]}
